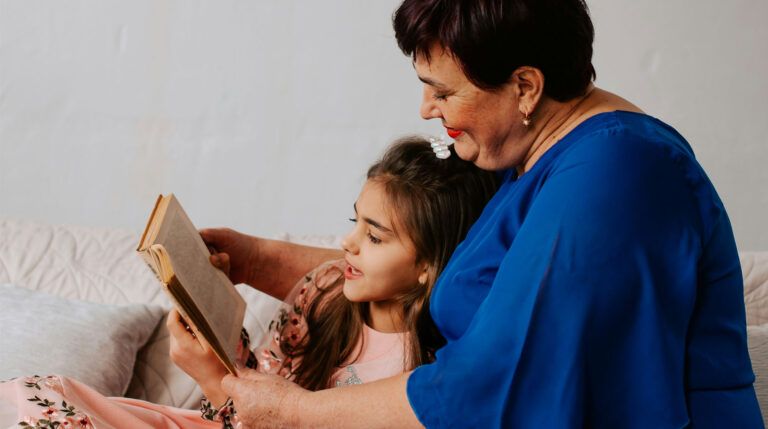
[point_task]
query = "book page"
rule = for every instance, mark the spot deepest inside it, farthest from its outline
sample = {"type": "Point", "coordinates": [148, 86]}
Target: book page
{"type": "Point", "coordinates": [209, 289]}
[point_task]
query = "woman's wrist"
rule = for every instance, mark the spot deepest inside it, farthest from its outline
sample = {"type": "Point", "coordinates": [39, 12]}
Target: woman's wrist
{"type": "Point", "coordinates": [214, 393]}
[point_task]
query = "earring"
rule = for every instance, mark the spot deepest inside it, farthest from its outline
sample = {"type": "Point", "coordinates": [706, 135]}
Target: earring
{"type": "Point", "coordinates": [527, 119]}
{"type": "Point", "coordinates": [440, 147]}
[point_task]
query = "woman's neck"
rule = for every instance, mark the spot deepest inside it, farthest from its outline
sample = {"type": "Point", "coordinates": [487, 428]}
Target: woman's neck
{"type": "Point", "coordinates": [560, 118]}
{"type": "Point", "coordinates": [386, 316]}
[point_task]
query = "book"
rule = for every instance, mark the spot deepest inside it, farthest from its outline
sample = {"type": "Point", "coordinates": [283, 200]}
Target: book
{"type": "Point", "coordinates": [203, 294]}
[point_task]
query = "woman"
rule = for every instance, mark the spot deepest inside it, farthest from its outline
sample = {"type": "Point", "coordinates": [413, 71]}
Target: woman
{"type": "Point", "coordinates": [600, 287]}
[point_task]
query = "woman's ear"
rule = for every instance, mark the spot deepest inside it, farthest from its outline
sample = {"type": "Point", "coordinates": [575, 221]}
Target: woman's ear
{"type": "Point", "coordinates": [528, 83]}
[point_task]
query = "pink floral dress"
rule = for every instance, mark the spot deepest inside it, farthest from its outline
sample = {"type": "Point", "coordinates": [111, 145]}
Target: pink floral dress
{"type": "Point", "coordinates": [55, 402]}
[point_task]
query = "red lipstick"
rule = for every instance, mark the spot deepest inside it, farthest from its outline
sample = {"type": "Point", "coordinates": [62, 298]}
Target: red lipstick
{"type": "Point", "coordinates": [453, 133]}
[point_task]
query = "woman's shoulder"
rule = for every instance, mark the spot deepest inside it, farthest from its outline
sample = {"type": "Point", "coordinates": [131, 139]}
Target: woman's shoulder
{"type": "Point", "coordinates": [625, 138]}
{"type": "Point", "coordinates": [635, 161]}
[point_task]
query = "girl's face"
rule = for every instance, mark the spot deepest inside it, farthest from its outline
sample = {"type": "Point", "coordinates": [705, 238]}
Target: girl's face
{"type": "Point", "coordinates": [381, 265]}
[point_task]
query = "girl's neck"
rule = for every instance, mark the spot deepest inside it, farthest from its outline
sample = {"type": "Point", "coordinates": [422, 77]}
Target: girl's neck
{"type": "Point", "coordinates": [385, 316]}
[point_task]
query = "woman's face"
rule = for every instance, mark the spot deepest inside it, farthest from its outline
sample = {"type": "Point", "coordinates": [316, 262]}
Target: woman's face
{"type": "Point", "coordinates": [380, 264]}
{"type": "Point", "coordinates": [487, 126]}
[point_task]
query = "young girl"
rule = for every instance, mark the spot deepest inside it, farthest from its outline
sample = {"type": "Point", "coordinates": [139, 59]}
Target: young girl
{"type": "Point", "coordinates": [349, 321]}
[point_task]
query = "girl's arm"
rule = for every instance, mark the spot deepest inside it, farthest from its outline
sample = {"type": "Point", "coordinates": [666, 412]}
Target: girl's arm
{"type": "Point", "coordinates": [271, 266]}
{"type": "Point", "coordinates": [271, 401]}
{"type": "Point", "coordinates": [195, 357]}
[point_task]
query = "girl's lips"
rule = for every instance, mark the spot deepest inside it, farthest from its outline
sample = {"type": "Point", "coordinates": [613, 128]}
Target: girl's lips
{"type": "Point", "coordinates": [352, 273]}
{"type": "Point", "coordinates": [453, 133]}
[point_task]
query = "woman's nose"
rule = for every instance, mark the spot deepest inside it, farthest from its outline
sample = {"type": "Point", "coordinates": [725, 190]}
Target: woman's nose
{"type": "Point", "coordinates": [428, 109]}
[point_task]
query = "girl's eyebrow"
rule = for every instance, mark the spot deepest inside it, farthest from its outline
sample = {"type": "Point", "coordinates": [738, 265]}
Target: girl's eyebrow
{"type": "Point", "coordinates": [373, 223]}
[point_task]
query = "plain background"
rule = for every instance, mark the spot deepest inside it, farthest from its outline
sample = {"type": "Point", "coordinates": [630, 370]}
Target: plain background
{"type": "Point", "coordinates": [264, 115]}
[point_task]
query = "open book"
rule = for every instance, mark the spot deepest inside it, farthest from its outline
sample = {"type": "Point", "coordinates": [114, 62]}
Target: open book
{"type": "Point", "coordinates": [203, 294]}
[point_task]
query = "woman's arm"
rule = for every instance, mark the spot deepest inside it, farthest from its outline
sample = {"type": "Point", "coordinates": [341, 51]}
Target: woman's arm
{"type": "Point", "coordinates": [272, 401]}
{"type": "Point", "coordinates": [271, 266]}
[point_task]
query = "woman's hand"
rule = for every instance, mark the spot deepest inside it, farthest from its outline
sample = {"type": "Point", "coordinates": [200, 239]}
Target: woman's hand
{"type": "Point", "coordinates": [265, 400]}
{"type": "Point", "coordinates": [232, 252]}
{"type": "Point", "coordinates": [271, 266]}
{"type": "Point", "coordinates": [190, 352]}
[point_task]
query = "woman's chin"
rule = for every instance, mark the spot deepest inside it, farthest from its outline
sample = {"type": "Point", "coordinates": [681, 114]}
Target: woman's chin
{"type": "Point", "coordinates": [466, 151]}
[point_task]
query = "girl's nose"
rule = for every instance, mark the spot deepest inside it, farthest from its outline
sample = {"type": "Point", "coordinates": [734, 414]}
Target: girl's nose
{"type": "Point", "coordinates": [348, 243]}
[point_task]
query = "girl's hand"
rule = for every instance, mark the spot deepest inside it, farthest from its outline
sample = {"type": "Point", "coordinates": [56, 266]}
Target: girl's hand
{"type": "Point", "coordinates": [265, 400]}
{"type": "Point", "coordinates": [190, 352]}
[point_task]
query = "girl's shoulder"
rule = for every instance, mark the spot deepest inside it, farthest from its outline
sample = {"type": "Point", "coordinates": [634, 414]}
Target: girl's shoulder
{"type": "Point", "coordinates": [326, 279]}
{"type": "Point", "coordinates": [326, 274]}
{"type": "Point", "coordinates": [288, 327]}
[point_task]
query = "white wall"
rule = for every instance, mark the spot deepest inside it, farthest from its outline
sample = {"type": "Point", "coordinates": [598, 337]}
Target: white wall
{"type": "Point", "coordinates": [263, 115]}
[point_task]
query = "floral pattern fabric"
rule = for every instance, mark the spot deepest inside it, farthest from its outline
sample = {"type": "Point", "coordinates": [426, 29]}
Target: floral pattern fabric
{"type": "Point", "coordinates": [52, 414]}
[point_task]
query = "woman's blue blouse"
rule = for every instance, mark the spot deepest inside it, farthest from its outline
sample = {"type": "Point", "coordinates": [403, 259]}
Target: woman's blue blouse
{"type": "Point", "coordinates": [600, 289]}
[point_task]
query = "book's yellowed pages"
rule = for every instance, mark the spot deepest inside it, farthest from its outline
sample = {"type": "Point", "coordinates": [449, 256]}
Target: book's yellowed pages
{"type": "Point", "coordinates": [204, 295]}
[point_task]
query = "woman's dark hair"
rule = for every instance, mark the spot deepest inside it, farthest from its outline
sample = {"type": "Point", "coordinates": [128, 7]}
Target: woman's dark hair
{"type": "Point", "coordinates": [433, 202]}
{"type": "Point", "coordinates": [492, 38]}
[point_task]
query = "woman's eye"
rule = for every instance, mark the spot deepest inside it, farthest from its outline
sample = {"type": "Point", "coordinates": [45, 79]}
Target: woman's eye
{"type": "Point", "coordinates": [439, 97]}
{"type": "Point", "coordinates": [374, 239]}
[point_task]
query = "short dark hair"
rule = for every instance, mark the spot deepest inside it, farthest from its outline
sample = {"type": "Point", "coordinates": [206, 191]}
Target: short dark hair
{"type": "Point", "coordinates": [492, 38]}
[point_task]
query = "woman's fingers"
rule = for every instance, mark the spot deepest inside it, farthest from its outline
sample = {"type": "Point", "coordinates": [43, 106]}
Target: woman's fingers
{"type": "Point", "coordinates": [221, 261]}
{"type": "Point", "coordinates": [264, 400]}
{"type": "Point", "coordinates": [210, 236]}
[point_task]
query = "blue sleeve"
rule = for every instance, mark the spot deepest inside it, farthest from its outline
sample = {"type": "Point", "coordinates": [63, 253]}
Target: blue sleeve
{"type": "Point", "coordinates": [597, 301]}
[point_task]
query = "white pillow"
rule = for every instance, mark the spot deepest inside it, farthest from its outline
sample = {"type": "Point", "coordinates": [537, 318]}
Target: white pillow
{"type": "Point", "coordinates": [93, 343]}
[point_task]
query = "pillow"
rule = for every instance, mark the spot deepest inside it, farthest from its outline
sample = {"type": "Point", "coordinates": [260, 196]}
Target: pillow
{"type": "Point", "coordinates": [93, 343]}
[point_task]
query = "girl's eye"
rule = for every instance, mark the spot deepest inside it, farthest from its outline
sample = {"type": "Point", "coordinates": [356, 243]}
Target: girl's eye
{"type": "Point", "coordinates": [353, 220]}
{"type": "Point", "coordinates": [374, 239]}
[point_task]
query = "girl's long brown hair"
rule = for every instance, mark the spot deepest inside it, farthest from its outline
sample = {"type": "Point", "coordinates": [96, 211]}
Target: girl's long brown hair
{"type": "Point", "coordinates": [434, 201]}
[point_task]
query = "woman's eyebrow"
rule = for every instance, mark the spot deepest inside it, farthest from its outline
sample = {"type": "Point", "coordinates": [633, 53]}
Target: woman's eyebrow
{"type": "Point", "coordinates": [432, 82]}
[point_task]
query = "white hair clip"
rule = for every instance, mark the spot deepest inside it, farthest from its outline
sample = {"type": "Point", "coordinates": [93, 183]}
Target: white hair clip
{"type": "Point", "coordinates": [440, 147]}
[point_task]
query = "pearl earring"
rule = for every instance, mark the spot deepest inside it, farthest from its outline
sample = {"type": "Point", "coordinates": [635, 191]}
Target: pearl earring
{"type": "Point", "coordinates": [527, 119]}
